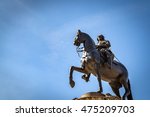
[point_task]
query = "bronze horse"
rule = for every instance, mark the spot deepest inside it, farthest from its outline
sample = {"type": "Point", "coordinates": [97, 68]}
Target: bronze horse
{"type": "Point", "coordinates": [93, 63]}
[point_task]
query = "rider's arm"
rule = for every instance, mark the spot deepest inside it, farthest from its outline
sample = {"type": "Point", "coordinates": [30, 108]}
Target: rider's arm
{"type": "Point", "coordinates": [107, 44]}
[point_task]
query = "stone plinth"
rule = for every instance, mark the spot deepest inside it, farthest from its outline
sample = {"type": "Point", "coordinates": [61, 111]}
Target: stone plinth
{"type": "Point", "coordinates": [97, 96]}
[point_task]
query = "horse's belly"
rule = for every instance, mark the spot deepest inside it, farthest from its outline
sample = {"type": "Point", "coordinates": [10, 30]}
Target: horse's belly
{"type": "Point", "coordinates": [107, 79]}
{"type": "Point", "coordinates": [109, 74]}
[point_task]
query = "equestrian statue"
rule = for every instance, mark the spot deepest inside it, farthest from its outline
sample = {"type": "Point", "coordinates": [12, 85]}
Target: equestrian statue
{"type": "Point", "coordinates": [99, 61]}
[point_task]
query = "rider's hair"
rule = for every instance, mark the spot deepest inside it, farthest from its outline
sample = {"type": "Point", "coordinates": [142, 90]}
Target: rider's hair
{"type": "Point", "coordinates": [100, 37]}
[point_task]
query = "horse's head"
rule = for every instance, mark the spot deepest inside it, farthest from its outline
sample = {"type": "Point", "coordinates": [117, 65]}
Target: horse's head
{"type": "Point", "coordinates": [80, 38]}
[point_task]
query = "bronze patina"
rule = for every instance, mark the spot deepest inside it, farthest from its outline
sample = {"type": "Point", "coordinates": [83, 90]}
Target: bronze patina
{"type": "Point", "coordinates": [94, 62]}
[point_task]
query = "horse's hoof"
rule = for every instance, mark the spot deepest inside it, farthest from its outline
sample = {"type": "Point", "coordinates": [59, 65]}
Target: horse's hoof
{"type": "Point", "coordinates": [99, 91]}
{"type": "Point", "coordinates": [72, 84]}
{"type": "Point", "coordinates": [85, 78]}
{"type": "Point", "coordinates": [123, 98]}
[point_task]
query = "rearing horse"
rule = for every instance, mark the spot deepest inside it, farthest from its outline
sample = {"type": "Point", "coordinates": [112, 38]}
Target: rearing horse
{"type": "Point", "coordinates": [93, 63]}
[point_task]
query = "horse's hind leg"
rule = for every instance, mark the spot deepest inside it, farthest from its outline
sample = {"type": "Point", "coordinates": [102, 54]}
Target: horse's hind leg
{"type": "Point", "coordinates": [99, 78]}
{"type": "Point", "coordinates": [115, 88]}
{"type": "Point", "coordinates": [127, 90]}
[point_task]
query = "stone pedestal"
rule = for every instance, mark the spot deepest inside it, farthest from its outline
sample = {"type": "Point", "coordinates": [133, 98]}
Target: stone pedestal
{"type": "Point", "coordinates": [97, 96]}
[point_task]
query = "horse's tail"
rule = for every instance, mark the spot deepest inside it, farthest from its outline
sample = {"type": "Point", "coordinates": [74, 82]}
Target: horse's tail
{"type": "Point", "coordinates": [129, 97]}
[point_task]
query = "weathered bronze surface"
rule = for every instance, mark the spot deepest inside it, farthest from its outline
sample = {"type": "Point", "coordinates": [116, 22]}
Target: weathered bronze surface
{"type": "Point", "coordinates": [97, 96]}
{"type": "Point", "coordinates": [94, 62]}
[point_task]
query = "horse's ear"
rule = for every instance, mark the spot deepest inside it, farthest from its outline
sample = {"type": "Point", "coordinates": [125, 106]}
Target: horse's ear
{"type": "Point", "coordinates": [79, 31]}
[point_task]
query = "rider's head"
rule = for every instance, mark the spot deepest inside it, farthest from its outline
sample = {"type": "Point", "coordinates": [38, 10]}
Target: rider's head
{"type": "Point", "coordinates": [100, 38]}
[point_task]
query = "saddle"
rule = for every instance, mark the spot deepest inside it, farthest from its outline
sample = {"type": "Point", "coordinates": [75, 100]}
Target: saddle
{"type": "Point", "coordinates": [106, 55]}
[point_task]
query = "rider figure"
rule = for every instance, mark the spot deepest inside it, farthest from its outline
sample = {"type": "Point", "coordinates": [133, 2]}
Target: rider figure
{"type": "Point", "coordinates": [104, 47]}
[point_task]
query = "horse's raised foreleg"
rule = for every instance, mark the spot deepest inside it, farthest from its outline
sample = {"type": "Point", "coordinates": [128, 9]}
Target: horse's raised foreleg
{"type": "Point", "coordinates": [79, 69]}
{"type": "Point", "coordinates": [86, 77]}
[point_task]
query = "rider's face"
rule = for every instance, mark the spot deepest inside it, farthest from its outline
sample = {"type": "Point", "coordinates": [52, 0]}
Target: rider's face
{"type": "Point", "coordinates": [100, 39]}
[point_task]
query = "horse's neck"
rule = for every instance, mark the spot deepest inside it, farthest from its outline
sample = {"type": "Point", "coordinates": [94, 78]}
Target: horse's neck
{"type": "Point", "coordinates": [89, 45]}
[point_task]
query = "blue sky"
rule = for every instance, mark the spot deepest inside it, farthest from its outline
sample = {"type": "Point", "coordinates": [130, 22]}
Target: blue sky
{"type": "Point", "coordinates": [36, 45]}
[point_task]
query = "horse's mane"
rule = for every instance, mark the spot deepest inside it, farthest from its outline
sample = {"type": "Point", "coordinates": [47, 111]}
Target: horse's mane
{"type": "Point", "coordinates": [88, 36]}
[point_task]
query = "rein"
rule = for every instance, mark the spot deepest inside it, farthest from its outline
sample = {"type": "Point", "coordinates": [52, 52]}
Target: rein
{"type": "Point", "coordinates": [117, 59]}
{"type": "Point", "coordinates": [78, 50]}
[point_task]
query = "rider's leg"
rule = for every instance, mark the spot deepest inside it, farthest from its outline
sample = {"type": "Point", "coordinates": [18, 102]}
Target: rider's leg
{"type": "Point", "coordinates": [110, 57]}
